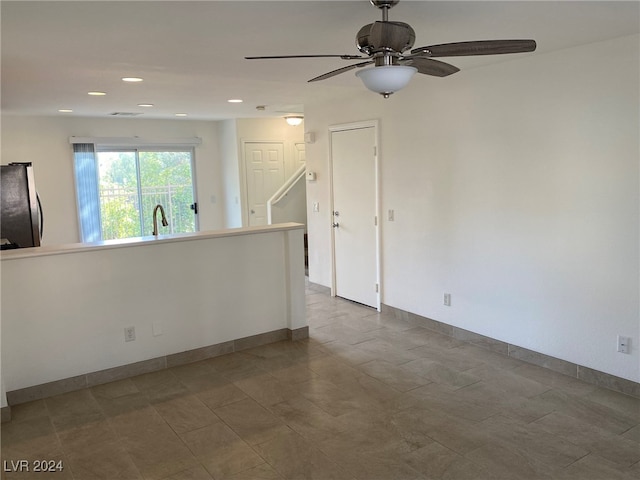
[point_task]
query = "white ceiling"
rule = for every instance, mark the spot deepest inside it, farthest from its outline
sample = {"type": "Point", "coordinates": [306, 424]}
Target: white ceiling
{"type": "Point", "coordinates": [190, 53]}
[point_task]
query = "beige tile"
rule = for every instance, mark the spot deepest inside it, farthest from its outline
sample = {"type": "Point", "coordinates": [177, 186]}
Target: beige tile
{"type": "Point", "coordinates": [266, 389]}
{"type": "Point", "coordinates": [622, 403]}
{"type": "Point", "coordinates": [35, 437]}
{"type": "Point", "coordinates": [194, 473]}
{"type": "Point", "coordinates": [508, 382]}
{"type": "Point", "coordinates": [187, 413]}
{"type": "Point", "coordinates": [457, 434]}
{"type": "Point", "coordinates": [329, 397]}
{"type": "Point", "coordinates": [88, 437]}
{"type": "Point", "coordinates": [29, 411]}
{"type": "Point", "coordinates": [160, 386]}
{"type": "Point", "coordinates": [633, 434]}
{"type": "Point", "coordinates": [396, 377]}
{"type": "Point", "coordinates": [349, 402]}
{"type": "Point", "coordinates": [73, 409]}
{"type": "Point", "coordinates": [388, 351]}
{"type": "Point", "coordinates": [482, 341]}
{"type": "Point", "coordinates": [438, 398]}
{"type": "Point", "coordinates": [116, 389]}
{"type": "Point", "coordinates": [449, 357]}
{"type": "Point", "coordinates": [192, 370]}
{"type": "Point", "coordinates": [615, 448]}
{"type": "Point", "coordinates": [533, 442]}
{"type": "Point", "coordinates": [108, 462]}
{"type": "Point", "coordinates": [235, 366]}
{"type": "Point", "coordinates": [501, 463]}
{"type": "Point", "coordinates": [555, 380]}
{"type": "Point", "coordinates": [220, 450]}
{"type": "Point", "coordinates": [252, 422]}
{"type": "Point", "coordinates": [113, 407]}
{"type": "Point", "coordinates": [590, 412]}
{"type": "Point", "coordinates": [612, 382]}
{"type": "Point", "coordinates": [341, 332]}
{"type": "Point", "coordinates": [333, 369]}
{"type": "Point", "coordinates": [294, 457]}
{"type": "Point", "coordinates": [307, 419]}
{"type": "Point", "coordinates": [293, 374]}
{"type": "Point", "coordinates": [156, 450]}
{"type": "Point", "coordinates": [433, 371]}
{"type": "Point", "coordinates": [261, 472]}
{"type": "Point", "coordinates": [434, 460]}
{"type": "Point", "coordinates": [593, 467]}
{"type": "Point", "coordinates": [368, 465]}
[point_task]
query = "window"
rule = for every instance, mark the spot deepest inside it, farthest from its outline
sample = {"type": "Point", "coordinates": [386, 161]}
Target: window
{"type": "Point", "coordinates": [118, 189]}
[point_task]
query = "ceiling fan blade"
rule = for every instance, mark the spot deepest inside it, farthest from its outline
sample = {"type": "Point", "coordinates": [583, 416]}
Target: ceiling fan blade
{"type": "Point", "coordinates": [480, 47]}
{"type": "Point", "coordinates": [344, 57]}
{"type": "Point", "coordinates": [340, 70]}
{"type": "Point", "coordinates": [431, 67]}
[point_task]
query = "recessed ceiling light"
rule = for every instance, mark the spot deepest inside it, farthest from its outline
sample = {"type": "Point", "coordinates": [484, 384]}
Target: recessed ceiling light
{"type": "Point", "coordinates": [145, 104]}
{"type": "Point", "coordinates": [132, 79]}
{"type": "Point", "coordinates": [181, 114]}
{"type": "Point", "coordinates": [234, 100]}
{"type": "Point", "coordinates": [65, 110]}
{"type": "Point", "coordinates": [97, 94]}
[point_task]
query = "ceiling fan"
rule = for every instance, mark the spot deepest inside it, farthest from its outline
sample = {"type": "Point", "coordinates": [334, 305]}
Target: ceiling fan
{"type": "Point", "coordinates": [387, 45]}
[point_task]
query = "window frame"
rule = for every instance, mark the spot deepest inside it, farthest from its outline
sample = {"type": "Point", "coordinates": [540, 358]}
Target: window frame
{"type": "Point", "coordinates": [126, 144]}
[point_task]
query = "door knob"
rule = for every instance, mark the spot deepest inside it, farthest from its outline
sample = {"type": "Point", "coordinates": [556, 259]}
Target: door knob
{"type": "Point", "coordinates": [252, 212]}
{"type": "Point", "coordinates": [336, 214]}
{"type": "Point", "coordinates": [336, 225]}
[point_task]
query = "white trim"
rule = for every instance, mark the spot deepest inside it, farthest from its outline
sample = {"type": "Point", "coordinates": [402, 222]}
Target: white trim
{"type": "Point", "coordinates": [375, 124]}
{"type": "Point", "coordinates": [138, 141]}
{"type": "Point", "coordinates": [284, 190]}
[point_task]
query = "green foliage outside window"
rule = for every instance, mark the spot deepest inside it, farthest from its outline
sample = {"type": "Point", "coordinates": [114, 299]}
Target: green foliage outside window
{"type": "Point", "coordinates": [127, 207]}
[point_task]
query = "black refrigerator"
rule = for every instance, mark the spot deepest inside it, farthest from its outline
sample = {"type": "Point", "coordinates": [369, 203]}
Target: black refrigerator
{"type": "Point", "coordinates": [21, 215]}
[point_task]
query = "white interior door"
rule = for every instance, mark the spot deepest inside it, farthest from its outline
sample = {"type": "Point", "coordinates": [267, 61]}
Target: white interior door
{"type": "Point", "coordinates": [299, 152]}
{"type": "Point", "coordinates": [354, 183]}
{"type": "Point", "coordinates": [264, 169]}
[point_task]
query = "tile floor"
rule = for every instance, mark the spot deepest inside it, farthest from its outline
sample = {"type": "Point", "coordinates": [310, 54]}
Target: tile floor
{"type": "Point", "coordinates": [365, 397]}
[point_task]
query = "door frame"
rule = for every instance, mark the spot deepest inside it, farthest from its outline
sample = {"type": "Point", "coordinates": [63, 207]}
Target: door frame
{"type": "Point", "coordinates": [375, 124]}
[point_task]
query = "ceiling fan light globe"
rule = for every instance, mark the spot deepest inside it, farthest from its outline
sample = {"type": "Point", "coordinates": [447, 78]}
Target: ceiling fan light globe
{"type": "Point", "coordinates": [386, 79]}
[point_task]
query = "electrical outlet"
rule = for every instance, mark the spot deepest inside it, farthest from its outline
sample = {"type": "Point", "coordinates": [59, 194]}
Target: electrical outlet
{"type": "Point", "coordinates": [447, 299]}
{"type": "Point", "coordinates": [624, 344]}
{"type": "Point", "coordinates": [129, 334]}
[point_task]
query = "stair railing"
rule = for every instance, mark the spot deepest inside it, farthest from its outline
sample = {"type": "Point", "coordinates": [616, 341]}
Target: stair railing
{"type": "Point", "coordinates": [284, 190]}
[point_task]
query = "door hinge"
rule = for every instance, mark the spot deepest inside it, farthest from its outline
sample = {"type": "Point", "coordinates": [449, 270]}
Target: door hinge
{"type": "Point", "coordinates": [377, 288]}
{"type": "Point", "coordinates": [375, 220]}
{"type": "Point", "coordinates": [375, 151]}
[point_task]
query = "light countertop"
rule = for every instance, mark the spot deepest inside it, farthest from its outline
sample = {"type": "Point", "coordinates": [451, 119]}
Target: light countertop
{"type": "Point", "coordinates": [142, 241]}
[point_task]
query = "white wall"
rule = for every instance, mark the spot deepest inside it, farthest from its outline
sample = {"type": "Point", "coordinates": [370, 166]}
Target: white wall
{"type": "Point", "coordinates": [293, 206]}
{"type": "Point", "coordinates": [44, 141]}
{"type": "Point", "coordinates": [231, 174]}
{"type": "Point", "coordinates": [206, 290]}
{"type": "Point", "coordinates": [515, 189]}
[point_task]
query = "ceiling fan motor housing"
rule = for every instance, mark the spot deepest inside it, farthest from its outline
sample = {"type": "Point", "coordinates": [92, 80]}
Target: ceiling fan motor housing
{"type": "Point", "coordinates": [391, 37]}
